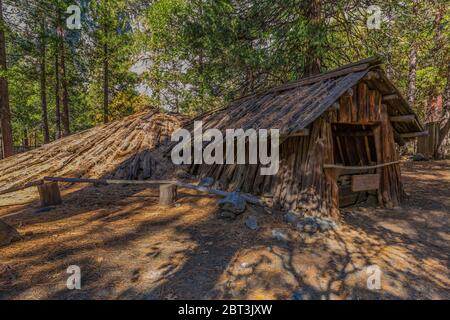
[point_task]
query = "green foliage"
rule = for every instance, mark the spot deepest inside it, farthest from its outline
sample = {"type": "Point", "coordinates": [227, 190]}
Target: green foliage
{"type": "Point", "coordinates": [192, 56]}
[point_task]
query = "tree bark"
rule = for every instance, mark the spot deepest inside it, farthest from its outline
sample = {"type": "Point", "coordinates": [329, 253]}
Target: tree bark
{"type": "Point", "coordinates": [5, 113]}
{"type": "Point", "coordinates": [25, 141]}
{"type": "Point", "coordinates": [412, 75]}
{"type": "Point", "coordinates": [57, 98]}
{"type": "Point", "coordinates": [446, 112]}
{"type": "Point", "coordinates": [313, 59]}
{"type": "Point", "coordinates": [65, 119]}
{"type": "Point", "coordinates": [105, 82]}
{"type": "Point", "coordinates": [43, 84]}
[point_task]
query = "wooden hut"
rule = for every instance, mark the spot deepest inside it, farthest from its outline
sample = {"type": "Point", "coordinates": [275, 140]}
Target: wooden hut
{"type": "Point", "coordinates": [338, 133]}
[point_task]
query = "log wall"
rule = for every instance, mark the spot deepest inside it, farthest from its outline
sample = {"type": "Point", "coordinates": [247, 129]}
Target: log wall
{"type": "Point", "coordinates": [428, 145]}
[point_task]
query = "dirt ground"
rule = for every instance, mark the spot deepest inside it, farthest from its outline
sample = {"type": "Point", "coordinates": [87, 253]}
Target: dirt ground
{"type": "Point", "coordinates": [128, 247]}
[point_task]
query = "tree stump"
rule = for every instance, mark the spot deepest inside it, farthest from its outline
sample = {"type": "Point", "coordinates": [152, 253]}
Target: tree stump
{"type": "Point", "coordinates": [49, 194]}
{"type": "Point", "coordinates": [167, 194]}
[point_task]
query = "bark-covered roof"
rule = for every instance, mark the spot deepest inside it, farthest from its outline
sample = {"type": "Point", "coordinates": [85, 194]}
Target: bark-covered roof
{"type": "Point", "coordinates": [293, 106]}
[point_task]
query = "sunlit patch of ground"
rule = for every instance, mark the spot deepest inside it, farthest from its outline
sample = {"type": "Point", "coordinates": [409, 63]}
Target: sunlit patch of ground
{"type": "Point", "coordinates": [128, 247]}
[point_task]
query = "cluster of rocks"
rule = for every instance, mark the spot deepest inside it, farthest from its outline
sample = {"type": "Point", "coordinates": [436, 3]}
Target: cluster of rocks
{"type": "Point", "coordinates": [309, 225]}
{"type": "Point", "coordinates": [231, 206]}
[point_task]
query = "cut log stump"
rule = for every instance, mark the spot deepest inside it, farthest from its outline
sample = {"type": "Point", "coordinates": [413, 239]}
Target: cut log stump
{"type": "Point", "coordinates": [167, 194]}
{"type": "Point", "coordinates": [49, 194]}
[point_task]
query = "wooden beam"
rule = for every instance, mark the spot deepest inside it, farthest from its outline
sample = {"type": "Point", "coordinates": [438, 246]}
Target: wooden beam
{"type": "Point", "coordinates": [25, 186]}
{"type": "Point", "coordinates": [301, 133]}
{"type": "Point", "coordinates": [106, 181]}
{"type": "Point", "coordinates": [398, 138]}
{"type": "Point", "coordinates": [249, 198]}
{"type": "Point", "coordinates": [335, 166]}
{"type": "Point", "coordinates": [353, 134]}
{"type": "Point", "coordinates": [404, 118]}
{"type": "Point", "coordinates": [390, 97]}
{"type": "Point", "coordinates": [414, 134]}
{"type": "Point", "coordinates": [372, 75]}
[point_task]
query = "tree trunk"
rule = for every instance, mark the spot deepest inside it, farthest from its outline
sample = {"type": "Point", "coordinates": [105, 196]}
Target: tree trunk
{"type": "Point", "coordinates": [25, 141]}
{"type": "Point", "coordinates": [57, 98]}
{"type": "Point", "coordinates": [43, 84]}
{"type": "Point", "coordinates": [105, 83]}
{"type": "Point", "coordinates": [64, 93]}
{"type": "Point", "coordinates": [313, 54]}
{"type": "Point", "coordinates": [412, 75]}
{"type": "Point", "coordinates": [446, 112]}
{"type": "Point", "coordinates": [5, 113]}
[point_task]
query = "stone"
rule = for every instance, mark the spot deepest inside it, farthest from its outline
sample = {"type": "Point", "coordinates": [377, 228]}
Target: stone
{"type": "Point", "coordinates": [233, 203]}
{"type": "Point", "coordinates": [290, 218]}
{"type": "Point", "coordinates": [298, 295]}
{"type": "Point", "coordinates": [280, 235]}
{"type": "Point", "coordinates": [252, 223]}
{"type": "Point", "coordinates": [8, 234]}
{"type": "Point", "coordinates": [206, 182]}
{"type": "Point", "coordinates": [308, 225]}
{"type": "Point", "coordinates": [226, 215]}
{"type": "Point", "coordinates": [419, 157]}
{"type": "Point", "coordinates": [326, 225]}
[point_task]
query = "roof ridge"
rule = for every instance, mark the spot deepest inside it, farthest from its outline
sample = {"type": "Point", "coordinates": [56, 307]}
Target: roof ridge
{"type": "Point", "coordinates": [337, 72]}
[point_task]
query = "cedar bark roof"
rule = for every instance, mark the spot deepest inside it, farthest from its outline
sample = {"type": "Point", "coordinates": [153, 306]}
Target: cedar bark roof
{"type": "Point", "coordinates": [293, 106]}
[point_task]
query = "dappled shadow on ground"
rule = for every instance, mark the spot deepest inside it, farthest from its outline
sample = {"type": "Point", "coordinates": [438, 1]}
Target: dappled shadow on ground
{"type": "Point", "coordinates": [128, 247]}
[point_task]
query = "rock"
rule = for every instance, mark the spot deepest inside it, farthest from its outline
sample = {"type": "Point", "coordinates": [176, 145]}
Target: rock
{"type": "Point", "coordinates": [312, 225]}
{"type": "Point", "coordinates": [290, 218]}
{"type": "Point", "coordinates": [252, 223]}
{"type": "Point", "coordinates": [227, 215]}
{"type": "Point", "coordinates": [233, 203]}
{"type": "Point", "coordinates": [280, 235]}
{"type": "Point", "coordinates": [206, 182]}
{"type": "Point", "coordinates": [182, 174]}
{"type": "Point", "coordinates": [8, 234]}
{"type": "Point", "coordinates": [298, 295]}
{"type": "Point", "coordinates": [419, 157]}
{"type": "Point", "coordinates": [326, 225]}
{"type": "Point", "coordinates": [308, 225]}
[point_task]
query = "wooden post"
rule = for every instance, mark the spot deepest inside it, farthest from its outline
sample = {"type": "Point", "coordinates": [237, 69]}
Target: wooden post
{"type": "Point", "coordinates": [377, 138]}
{"type": "Point", "coordinates": [167, 194]}
{"type": "Point", "coordinates": [49, 194]}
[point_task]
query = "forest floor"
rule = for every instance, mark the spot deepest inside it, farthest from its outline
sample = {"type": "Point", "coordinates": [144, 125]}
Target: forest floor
{"type": "Point", "coordinates": [128, 247]}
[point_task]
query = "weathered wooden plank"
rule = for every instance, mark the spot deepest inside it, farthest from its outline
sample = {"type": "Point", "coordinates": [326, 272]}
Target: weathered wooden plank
{"type": "Point", "coordinates": [414, 134]}
{"type": "Point", "coordinates": [365, 182]}
{"type": "Point", "coordinates": [404, 118]}
{"type": "Point", "coordinates": [390, 97]}
{"type": "Point", "coordinates": [362, 101]}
